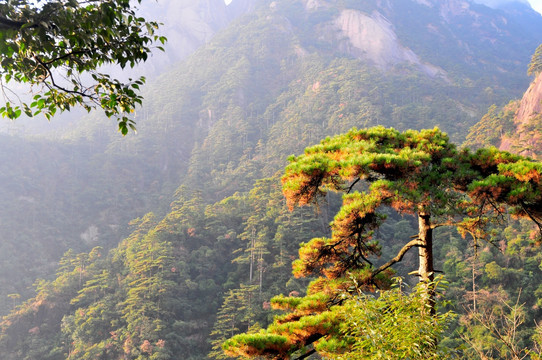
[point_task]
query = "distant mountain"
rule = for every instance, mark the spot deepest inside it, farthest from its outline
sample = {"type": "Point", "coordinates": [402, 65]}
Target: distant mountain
{"type": "Point", "coordinates": [458, 34]}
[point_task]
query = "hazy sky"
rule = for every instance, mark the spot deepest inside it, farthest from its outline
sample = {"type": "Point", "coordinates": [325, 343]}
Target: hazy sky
{"type": "Point", "coordinates": [536, 4]}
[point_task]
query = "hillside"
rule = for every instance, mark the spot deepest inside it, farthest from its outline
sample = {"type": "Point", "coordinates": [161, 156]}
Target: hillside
{"type": "Point", "coordinates": [213, 134]}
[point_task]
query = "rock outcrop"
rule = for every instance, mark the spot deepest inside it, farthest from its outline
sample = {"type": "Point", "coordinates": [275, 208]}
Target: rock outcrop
{"type": "Point", "coordinates": [531, 103]}
{"type": "Point", "coordinates": [527, 138]}
{"type": "Point", "coordinates": [373, 38]}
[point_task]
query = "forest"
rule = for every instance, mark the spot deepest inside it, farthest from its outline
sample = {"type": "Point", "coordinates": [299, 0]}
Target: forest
{"type": "Point", "coordinates": [293, 190]}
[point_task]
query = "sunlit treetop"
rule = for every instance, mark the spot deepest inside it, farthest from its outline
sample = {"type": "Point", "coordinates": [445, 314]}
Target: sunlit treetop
{"type": "Point", "coordinates": [412, 172]}
{"type": "Point", "coordinates": [58, 47]}
{"type": "Point", "coordinates": [384, 157]}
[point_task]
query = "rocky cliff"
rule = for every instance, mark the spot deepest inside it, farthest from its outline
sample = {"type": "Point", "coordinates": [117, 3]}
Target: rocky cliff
{"type": "Point", "coordinates": [531, 103]}
{"type": "Point", "coordinates": [373, 38]}
{"type": "Point", "coordinates": [527, 137]}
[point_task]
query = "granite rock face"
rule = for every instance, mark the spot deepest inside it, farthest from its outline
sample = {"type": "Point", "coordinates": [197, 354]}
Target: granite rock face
{"type": "Point", "coordinates": [373, 38]}
{"type": "Point", "coordinates": [527, 138]}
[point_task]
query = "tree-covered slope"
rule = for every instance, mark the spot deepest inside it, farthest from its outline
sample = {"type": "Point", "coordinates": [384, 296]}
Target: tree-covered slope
{"type": "Point", "coordinates": [65, 195]}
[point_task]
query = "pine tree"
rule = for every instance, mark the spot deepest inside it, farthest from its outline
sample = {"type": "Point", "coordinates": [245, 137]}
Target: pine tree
{"type": "Point", "coordinates": [418, 173]}
{"type": "Point", "coordinates": [234, 316]}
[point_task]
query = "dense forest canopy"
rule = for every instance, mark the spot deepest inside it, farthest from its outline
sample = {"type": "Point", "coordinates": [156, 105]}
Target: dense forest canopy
{"type": "Point", "coordinates": [535, 66]}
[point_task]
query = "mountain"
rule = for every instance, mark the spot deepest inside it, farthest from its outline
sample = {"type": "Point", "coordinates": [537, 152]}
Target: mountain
{"type": "Point", "coordinates": [200, 176]}
{"type": "Point", "coordinates": [521, 5]}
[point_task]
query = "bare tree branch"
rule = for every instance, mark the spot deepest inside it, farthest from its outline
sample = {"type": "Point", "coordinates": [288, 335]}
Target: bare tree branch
{"type": "Point", "coordinates": [8, 24]}
{"type": "Point", "coordinates": [58, 87]}
{"type": "Point", "coordinates": [352, 185]}
{"type": "Point", "coordinates": [306, 355]}
{"type": "Point", "coordinates": [399, 256]}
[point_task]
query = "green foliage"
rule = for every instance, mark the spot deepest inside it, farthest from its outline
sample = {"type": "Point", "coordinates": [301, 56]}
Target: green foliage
{"type": "Point", "coordinates": [237, 313]}
{"type": "Point", "coordinates": [493, 280]}
{"type": "Point", "coordinates": [535, 66]}
{"type": "Point", "coordinates": [496, 330]}
{"type": "Point", "coordinates": [306, 315]}
{"type": "Point", "coordinates": [52, 45]}
{"type": "Point", "coordinates": [392, 324]}
{"type": "Point", "coordinates": [537, 354]}
{"type": "Point", "coordinates": [155, 295]}
{"type": "Point", "coordinates": [67, 195]}
{"type": "Point", "coordinates": [44, 339]}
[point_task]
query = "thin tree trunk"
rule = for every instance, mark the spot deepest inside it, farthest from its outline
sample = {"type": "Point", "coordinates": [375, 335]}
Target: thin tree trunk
{"type": "Point", "coordinates": [252, 246]}
{"type": "Point", "coordinates": [260, 268]}
{"type": "Point", "coordinates": [474, 283]}
{"type": "Point", "coordinates": [426, 269]}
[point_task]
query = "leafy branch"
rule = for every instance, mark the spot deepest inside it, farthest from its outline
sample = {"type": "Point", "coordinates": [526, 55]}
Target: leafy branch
{"type": "Point", "coordinates": [68, 39]}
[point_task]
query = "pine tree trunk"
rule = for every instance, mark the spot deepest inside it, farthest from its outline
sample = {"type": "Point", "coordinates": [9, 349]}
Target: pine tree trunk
{"type": "Point", "coordinates": [426, 269]}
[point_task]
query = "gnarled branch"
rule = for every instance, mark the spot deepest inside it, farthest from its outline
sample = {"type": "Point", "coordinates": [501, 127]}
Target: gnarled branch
{"type": "Point", "coordinates": [399, 256]}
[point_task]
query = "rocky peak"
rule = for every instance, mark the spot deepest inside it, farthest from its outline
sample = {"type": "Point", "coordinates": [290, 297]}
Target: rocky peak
{"type": "Point", "coordinates": [531, 103]}
{"type": "Point", "coordinates": [372, 37]}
